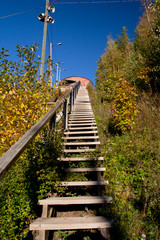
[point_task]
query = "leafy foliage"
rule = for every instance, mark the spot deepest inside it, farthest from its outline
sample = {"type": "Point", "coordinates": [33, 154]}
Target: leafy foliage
{"type": "Point", "coordinates": [37, 174]}
{"type": "Point", "coordinates": [124, 106]}
{"type": "Point", "coordinates": [132, 161]}
{"type": "Point", "coordinates": [147, 41]}
{"type": "Point", "coordinates": [23, 101]}
{"type": "Point", "coordinates": [138, 62]}
{"type": "Point", "coordinates": [23, 96]}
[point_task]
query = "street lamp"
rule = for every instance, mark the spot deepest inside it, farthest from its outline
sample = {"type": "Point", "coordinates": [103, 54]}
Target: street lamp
{"type": "Point", "coordinates": [57, 44]}
{"type": "Point", "coordinates": [44, 17]}
{"type": "Point", "coordinates": [57, 75]}
{"type": "Point", "coordinates": [51, 67]}
{"type": "Point", "coordinates": [60, 70]}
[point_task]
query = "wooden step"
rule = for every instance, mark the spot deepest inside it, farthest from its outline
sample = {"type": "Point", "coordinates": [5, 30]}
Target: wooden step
{"type": "Point", "coordinates": [81, 138]}
{"type": "Point", "coordinates": [78, 150]}
{"type": "Point", "coordinates": [76, 200]}
{"type": "Point", "coordinates": [80, 132]}
{"type": "Point", "coordinates": [82, 114]}
{"type": "Point", "coordinates": [89, 116]}
{"type": "Point", "coordinates": [81, 124]}
{"type": "Point", "coordinates": [71, 170]}
{"type": "Point", "coordinates": [81, 128]}
{"type": "Point", "coordinates": [71, 223]}
{"type": "Point", "coordinates": [81, 143]}
{"type": "Point", "coordinates": [84, 183]}
{"type": "Point", "coordinates": [79, 159]}
{"type": "Point", "coordinates": [81, 121]}
{"type": "Point", "coordinates": [82, 109]}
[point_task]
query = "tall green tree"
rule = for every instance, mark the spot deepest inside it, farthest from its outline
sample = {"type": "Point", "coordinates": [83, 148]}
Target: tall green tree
{"type": "Point", "coordinates": [124, 43]}
{"type": "Point", "coordinates": [147, 42]}
{"type": "Point", "coordinates": [109, 68]}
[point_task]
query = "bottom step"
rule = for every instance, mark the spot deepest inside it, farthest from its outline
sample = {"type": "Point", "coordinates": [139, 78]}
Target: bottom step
{"type": "Point", "coordinates": [71, 223]}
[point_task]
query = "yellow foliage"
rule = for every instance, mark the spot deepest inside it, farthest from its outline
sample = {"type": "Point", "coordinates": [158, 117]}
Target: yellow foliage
{"type": "Point", "coordinates": [20, 110]}
{"type": "Point", "coordinates": [124, 106]}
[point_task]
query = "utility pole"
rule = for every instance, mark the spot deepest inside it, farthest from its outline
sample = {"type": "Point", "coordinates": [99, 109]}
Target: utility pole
{"type": "Point", "coordinates": [57, 73]}
{"type": "Point", "coordinates": [44, 39]}
{"type": "Point", "coordinates": [50, 64]}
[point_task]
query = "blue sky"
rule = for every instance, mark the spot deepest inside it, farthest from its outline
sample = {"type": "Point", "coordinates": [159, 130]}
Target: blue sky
{"type": "Point", "coordinates": [81, 28]}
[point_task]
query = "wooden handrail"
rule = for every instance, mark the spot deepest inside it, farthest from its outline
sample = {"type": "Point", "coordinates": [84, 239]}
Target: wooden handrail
{"type": "Point", "coordinates": [9, 158]}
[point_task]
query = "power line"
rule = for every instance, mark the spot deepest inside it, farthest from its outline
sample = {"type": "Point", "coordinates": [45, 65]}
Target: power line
{"type": "Point", "coordinates": [53, 1]}
{"type": "Point", "coordinates": [79, 2]}
{"type": "Point", "coordinates": [99, 2]}
{"type": "Point", "coordinates": [14, 14]}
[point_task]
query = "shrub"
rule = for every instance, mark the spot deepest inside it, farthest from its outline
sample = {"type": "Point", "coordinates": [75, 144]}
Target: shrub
{"type": "Point", "coordinates": [36, 175]}
{"type": "Point", "coordinates": [124, 106]}
{"type": "Point", "coordinates": [132, 164]}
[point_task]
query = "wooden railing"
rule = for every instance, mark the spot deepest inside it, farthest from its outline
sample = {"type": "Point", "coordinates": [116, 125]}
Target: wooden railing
{"type": "Point", "coordinates": [9, 158]}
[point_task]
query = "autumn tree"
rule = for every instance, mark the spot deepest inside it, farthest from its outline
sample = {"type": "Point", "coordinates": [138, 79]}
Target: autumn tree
{"type": "Point", "coordinates": [22, 94]}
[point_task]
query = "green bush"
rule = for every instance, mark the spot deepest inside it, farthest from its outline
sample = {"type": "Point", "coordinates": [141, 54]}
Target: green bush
{"type": "Point", "coordinates": [35, 176]}
{"type": "Point", "coordinates": [132, 161]}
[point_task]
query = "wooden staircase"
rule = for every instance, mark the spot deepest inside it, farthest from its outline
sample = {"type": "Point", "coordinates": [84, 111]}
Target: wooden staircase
{"type": "Point", "coordinates": [80, 148]}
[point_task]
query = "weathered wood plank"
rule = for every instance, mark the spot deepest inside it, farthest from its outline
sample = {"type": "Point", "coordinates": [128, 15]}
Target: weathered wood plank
{"type": "Point", "coordinates": [79, 150]}
{"type": "Point", "coordinates": [76, 200]}
{"type": "Point", "coordinates": [81, 138]}
{"type": "Point", "coordinates": [85, 183]}
{"type": "Point", "coordinates": [71, 170]}
{"type": "Point", "coordinates": [80, 132]}
{"type": "Point", "coordinates": [77, 159]}
{"type": "Point", "coordinates": [71, 223]}
{"type": "Point", "coordinates": [81, 143]}
{"type": "Point", "coordinates": [82, 128]}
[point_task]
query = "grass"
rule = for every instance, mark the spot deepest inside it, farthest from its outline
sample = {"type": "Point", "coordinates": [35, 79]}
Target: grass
{"type": "Point", "coordinates": [132, 160]}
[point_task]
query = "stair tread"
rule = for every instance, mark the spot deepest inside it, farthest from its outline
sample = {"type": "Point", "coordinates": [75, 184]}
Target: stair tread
{"type": "Point", "coordinates": [81, 143]}
{"type": "Point", "coordinates": [82, 137]}
{"type": "Point", "coordinates": [80, 132]}
{"type": "Point", "coordinates": [84, 183]}
{"type": "Point", "coordinates": [86, 114]}
{"type": "Point", "coordinates": [76, 200]}
{"type": "Point", "coordinates": [81, 159]}
{"type": "Point", "coordinates": [81, 123]}
{"type": "Point", "coordinates": [71, 223]}
{"type": "Point", "coordinates": [79, 150]}
{"type": "Point", "coordinates": [101, 169]}
{"type": "Point", "coordinates": [90, 116]}
{"type": "Point", "coordinates": [81, 128]}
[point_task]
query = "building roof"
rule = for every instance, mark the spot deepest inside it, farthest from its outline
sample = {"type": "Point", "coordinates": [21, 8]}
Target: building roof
{"type": "Point", "coordinates": [84, 81]}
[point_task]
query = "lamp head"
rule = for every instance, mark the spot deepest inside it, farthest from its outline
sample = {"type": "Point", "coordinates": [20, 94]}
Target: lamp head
{"type": "Point", "coordinates": [50, 19]}
{"type": "Point", "coordinates": [51, 9]}
{"type": "Point", "coordinates": [41, 17]}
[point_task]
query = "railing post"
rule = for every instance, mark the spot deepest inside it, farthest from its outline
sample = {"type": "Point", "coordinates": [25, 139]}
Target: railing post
{"type": "Point", "coordinates": [71, 101]}
{"type": "Point", "coordinates": [65, 113]}
{"type": "Point", "coordinates": [52, 123]}
{"type": "Point", "coordinates": [75, 92]}
{"type": "Point", "coordinates": [73, 95]}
